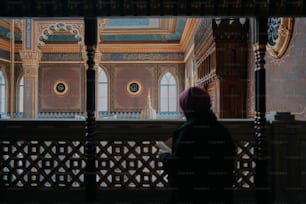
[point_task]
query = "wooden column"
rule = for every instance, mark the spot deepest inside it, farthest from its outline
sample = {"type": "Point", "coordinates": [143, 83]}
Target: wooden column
{"type": "Point", "coordinates": [90, 147]}
{"type": "Point", "coordinates": [259, 46]}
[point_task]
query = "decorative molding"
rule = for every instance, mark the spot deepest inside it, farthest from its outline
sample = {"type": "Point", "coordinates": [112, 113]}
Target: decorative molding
{"type": "Point", "coordinates": [60, 88]}
{"type": "Point", "coordinates": [280, 31]}
{"type": "Point", "coordinates": [19, 24]}
{"type": "Point", "coordinates": [44, 28]}
{"type": "Point", "coordinates": [30, 56]}
{"type": "Point", "coordinates": [134, 87]}
{"type": "Point", "coordinates": [188, 32]}
{"type": "Point", "coordinates": [62, 56]}
{"type": "Point", "coordinates": [143, 47]}
{"type": "Point", "coordinates": [167, 26]}
{"type": "Point", "coordinates": [143, 57]}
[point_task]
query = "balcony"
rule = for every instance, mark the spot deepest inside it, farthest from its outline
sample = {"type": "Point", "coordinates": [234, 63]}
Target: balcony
{"type": "Point", "coordinates": [44, 161]}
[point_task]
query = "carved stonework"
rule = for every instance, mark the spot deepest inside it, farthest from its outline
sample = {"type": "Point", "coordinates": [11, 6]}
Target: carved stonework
{"type": "Point", "coordinates": [46, 28]}
{"type": "Point", "coordinates": [19, 23]}
{"type": "Point", "coordinates": [97, 60]}
{"type": "Point", "coordinates": [30, 56]}
{"type": "Point", "coordinates": [279, 35]}
{"type": "Point", "coordinates": [102, 23]}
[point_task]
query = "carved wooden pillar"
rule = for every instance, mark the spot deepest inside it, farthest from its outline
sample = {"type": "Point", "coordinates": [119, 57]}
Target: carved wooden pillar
{"type": "Point", "coordinates": [30, 62]}
{"type": "Point", "coordinates": [90, 148]}
{"type": "Point", "coordinates": [259, 46]}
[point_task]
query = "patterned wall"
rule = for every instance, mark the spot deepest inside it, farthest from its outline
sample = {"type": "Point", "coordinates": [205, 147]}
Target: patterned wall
{"type": "Point", "coordinates": [123, 74]}
{"type": "Point", "coordinates": [60, 88]}
{"type": "Point", "coordinates": [286, 87]}
{"type": "Point", "coordinates": [146, 75]}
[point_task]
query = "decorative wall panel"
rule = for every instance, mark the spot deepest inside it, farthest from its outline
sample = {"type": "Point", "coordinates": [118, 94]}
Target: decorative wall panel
{"type": "Point", "coordinates": [125, 74]}
{"type": "Point", "coordinates": [60, 88]}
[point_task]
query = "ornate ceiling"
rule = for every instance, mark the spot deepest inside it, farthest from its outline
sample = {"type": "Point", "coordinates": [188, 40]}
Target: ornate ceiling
{"type": "Point", "coordinates": [170, 34]}
{"type": "Point", "coordinates": [117, 35]}
{"type": "Point", "coordinates": [145, 29]}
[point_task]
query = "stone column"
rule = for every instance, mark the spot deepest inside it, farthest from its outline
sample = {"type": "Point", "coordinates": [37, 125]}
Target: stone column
{"type": "Point", "coordinates": [30, 63]}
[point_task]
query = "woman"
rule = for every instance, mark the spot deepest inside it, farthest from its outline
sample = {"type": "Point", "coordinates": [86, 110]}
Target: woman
{"type": "Point", "coordinates": [200, 165]}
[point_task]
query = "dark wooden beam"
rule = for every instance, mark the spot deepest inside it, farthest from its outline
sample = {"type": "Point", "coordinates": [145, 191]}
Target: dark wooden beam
{"type": "Point", "coordinates": [78, 8]}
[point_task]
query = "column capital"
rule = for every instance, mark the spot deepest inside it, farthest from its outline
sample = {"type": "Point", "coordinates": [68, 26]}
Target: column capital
{"type": "Point", "coordinates": [30, 56]}
{"type": "Point", "coordinates": [98, 56]}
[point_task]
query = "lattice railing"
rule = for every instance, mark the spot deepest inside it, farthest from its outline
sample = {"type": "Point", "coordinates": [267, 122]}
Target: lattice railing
{"type": "Point", "coordinates": [244, 165]}
{"type": "Point", "coordinates": [129, 164]}
{"type": "Point", "coordinates": [42, 164]}
{"type": "Point", "coordinates": [126, 155]}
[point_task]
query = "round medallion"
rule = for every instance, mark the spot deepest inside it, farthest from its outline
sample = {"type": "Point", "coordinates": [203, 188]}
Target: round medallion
{"type": "Point", "coordinates": [279, 35]}
{"type": "Point", "coordinates": [273, 26]}
{"type": "Point", "coordinates": [134, 87]}
{"type": "Point", "coordinates": [60, 87]}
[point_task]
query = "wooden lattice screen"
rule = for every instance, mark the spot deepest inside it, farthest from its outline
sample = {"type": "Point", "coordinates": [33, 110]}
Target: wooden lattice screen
{"type": "Point", "coordinates": [123, 163]}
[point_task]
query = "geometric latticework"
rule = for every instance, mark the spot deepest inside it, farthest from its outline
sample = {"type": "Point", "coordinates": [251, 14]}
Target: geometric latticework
{"type": "Point", "coordinates": [42, 164]}
{"type": "Point", "coordinates": [245, 165]}
{"type": "Point", "coordinates": [129, 164]}
{"type": "Point", "coordinates": [120, 164]}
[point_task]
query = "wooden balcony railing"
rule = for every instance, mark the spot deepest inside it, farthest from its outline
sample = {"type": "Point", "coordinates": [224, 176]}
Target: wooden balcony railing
{"type": "Point", "coordinates": [46, 159]}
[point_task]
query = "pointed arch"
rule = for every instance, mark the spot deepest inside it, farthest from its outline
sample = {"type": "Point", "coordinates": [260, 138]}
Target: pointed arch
{"type": "Point", "coordinates": [102, 90]}
{"type": "Point", "coordinates": [168, 93]}
{"type": "Point", "coordinates": [3, 96]}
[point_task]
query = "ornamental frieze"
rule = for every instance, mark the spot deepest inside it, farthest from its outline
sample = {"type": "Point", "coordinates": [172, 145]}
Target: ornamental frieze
{"type": "Point", "coordinates": [52, 56]}
{"type": "Point", "coordinates": [143, 56]}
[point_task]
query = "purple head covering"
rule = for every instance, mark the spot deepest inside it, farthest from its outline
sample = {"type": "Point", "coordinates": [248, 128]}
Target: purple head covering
{"type": "Point", "coordinates": [194, 100]}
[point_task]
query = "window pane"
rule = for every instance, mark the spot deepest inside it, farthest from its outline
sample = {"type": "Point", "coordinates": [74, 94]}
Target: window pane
{"type": "Point", "coordinates": [2, 93]}
{"type": "Point", "coordinates": [20, 96]}
{"type": "Point", "coordinates": [168, 96]}
{"type": "Point", "coordinates": [102, 95]}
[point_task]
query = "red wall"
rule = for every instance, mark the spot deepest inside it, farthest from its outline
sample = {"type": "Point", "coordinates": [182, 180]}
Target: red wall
{"type": "Point", "coordinates": [49, 100]}
{"type": "Point", "coordinates": [122, 100]}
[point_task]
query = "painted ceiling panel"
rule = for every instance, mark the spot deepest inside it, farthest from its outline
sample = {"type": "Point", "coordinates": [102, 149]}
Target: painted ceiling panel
{"type": "Point", "coordinates": [145, 29]}
{"type": "Point", "coordinates": [134, 30]}
{"type": "Point", "coordinates": [133, 23]}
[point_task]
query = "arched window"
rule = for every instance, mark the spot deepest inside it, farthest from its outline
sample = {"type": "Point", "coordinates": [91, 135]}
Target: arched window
{"type": "Point", "coordinates": [102, 97]}
{"type": "Point", "coordinates": [2, 94]}
{"type": "Point", "coordinates": [168, 93]}
{"type": "Point", "coordinates": [20, 96]}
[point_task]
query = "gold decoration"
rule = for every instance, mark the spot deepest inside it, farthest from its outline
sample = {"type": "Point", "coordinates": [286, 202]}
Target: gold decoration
{"type": "Point", "coordinates": [134, 87]}
{"type": "Point", "coordinates": [285, 31]}
{"type": "Point", "coordinates": [60, 88]}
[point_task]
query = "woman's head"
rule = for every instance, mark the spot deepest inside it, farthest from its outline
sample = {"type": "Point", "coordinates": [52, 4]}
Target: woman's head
{"type": "Point", "coordinates": [194, 101]}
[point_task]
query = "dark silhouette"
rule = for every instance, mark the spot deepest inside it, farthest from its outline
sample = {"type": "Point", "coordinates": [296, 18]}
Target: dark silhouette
{"type": "Point", "coordinates": [200, 165]}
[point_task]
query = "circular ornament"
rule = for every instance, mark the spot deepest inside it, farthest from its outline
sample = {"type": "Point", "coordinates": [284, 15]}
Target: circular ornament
{"type": "Point", "coordinates": [279, 35]}
{"type": "Point", "coordinates": [134, 87]}
{"type": "Point", "coordinates": [60, 87]}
